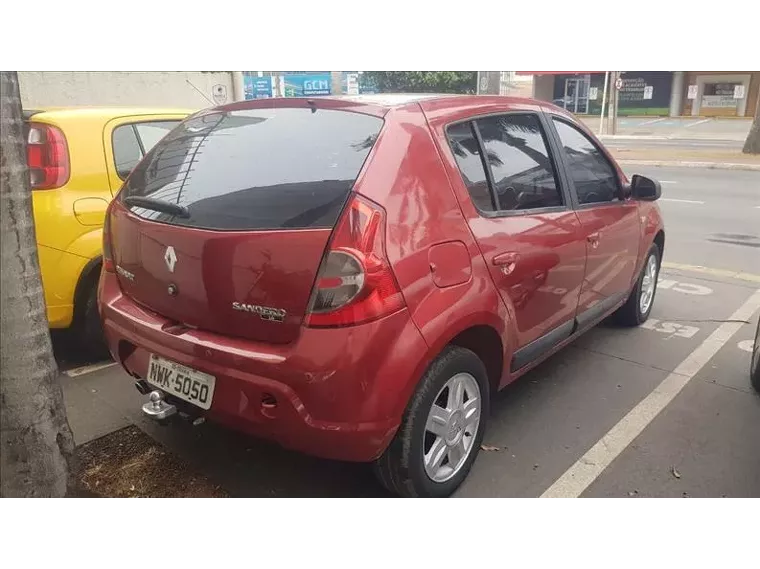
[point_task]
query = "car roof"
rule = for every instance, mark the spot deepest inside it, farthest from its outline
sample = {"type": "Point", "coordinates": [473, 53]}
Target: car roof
{"type": "Point", "coordinates": [103, 112]}
{"type": "Point", "coordinates": [441, 100]}
{"type": "Point", "coordinates": [380, 104]}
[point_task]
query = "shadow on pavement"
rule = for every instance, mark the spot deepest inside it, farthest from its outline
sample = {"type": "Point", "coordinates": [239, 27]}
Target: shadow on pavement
{"type": "Point", "coordinates": [247, 467]}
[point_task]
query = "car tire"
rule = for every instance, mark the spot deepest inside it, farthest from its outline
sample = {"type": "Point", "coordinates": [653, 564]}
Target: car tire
{"type": "Point", "coordinates": [754, 369]}
{"type": "Point", "coordinates": [88, 329]}
{"type": "Point", "coordinates": [402, 468]}
{"type": "Point", "coordinates": [632, 313]}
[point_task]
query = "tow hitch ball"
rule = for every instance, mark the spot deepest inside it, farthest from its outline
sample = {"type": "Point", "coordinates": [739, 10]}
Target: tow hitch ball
{"type": "Point", "coordinates": [160, 410]}
{"type": "Point", "coordinates": [157, 408]}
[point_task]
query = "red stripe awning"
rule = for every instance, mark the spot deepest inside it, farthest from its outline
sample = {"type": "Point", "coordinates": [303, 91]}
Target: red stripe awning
{"type": "Point", "coordinates": [555, 72]}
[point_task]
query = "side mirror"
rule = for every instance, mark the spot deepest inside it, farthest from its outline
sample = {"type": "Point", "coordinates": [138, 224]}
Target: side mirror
{"type": "Point", "coordinates": [645, 189]}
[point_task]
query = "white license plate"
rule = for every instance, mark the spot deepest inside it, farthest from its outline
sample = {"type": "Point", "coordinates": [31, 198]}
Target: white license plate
{"type": "Point", "coordinates": [188, 384]}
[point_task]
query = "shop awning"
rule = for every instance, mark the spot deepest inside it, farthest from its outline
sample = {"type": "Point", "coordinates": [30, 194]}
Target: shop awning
{"type": "Point", "coordinates": [555, 72]}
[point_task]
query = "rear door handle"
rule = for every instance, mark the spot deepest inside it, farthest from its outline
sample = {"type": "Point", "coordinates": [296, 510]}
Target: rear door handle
{"type": "Point", "coordinates": [594, 239]}
{"type": "Point", "coordinates": [507, 261]}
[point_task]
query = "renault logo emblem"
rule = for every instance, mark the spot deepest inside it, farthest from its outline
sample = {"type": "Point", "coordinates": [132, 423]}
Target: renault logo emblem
{"type": "Point", "coordinates": [171, 258]}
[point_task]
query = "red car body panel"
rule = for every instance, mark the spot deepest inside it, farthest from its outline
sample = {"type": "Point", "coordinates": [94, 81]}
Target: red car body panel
{"type": "Point", "coordinates": [341, 392]}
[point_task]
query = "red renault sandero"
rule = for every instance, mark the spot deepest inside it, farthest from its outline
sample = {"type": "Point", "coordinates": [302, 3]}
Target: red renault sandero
{"type": "Point", "coordinates": [354, 277]}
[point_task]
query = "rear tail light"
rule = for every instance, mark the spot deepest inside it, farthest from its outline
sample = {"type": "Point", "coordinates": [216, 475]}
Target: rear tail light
{"type": "Point", "coordinates": [108, 264]}
{"type": "Point", "coordinates": [47, 156]}
{"type": "Point", "coordinates": [355, 283]}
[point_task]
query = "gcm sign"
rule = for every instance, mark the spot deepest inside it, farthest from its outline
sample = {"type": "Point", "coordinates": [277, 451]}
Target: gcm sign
{"type": "Point", "coordinates": [316, 85]}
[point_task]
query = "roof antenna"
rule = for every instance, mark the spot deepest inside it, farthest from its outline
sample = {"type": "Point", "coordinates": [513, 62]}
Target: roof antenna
{"type": "Point", "coordinates": [313, 105]}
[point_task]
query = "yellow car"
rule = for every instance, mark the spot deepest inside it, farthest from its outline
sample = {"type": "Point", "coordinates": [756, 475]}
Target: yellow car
{"type": "Point", "coordinates": [78, 159]}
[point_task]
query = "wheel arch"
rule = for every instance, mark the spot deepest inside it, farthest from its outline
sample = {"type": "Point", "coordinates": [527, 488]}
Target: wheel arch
{"type": "Point", "coordinates": [87, 278]}
{"type": "Point", "coordinates": [659, 240]}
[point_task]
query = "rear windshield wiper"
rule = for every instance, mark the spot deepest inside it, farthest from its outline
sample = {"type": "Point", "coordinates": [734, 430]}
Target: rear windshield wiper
{"type": "Point", "coordinates": [157, 205]}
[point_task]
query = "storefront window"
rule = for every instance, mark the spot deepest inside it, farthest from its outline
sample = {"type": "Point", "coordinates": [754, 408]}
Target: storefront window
{"type": "Point", "coordinates": [720, 96]}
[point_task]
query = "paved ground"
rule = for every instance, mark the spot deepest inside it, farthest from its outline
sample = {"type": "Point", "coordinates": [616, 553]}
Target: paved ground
{"type": "Point", "coordinates": [680, 128]}
{"type": "Point", "coordinates": [586, 421]}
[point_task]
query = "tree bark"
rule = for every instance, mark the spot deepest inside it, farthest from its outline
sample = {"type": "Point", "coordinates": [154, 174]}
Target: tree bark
{"type": "Point", "coordinates": [36, 444]}
{"type": "Point", "coordinates": [752, 144]}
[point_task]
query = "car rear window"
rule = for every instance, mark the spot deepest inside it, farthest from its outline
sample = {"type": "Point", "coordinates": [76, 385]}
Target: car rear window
{"type": "Point", "coordinates": [275, 168]}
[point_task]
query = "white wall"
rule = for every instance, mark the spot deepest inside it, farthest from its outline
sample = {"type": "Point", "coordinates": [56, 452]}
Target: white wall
{"type": "Point", "coordinates": [108, 88]}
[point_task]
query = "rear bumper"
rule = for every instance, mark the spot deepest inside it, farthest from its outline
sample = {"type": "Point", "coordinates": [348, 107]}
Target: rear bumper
{"type": "Point", "coordinates": [340, 393]}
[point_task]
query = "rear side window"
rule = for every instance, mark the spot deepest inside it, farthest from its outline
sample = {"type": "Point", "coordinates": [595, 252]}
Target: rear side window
{"type": "Point", "coordinates": [131, 142]}
{"type": "Point", "coordinates": [466, 150]}
{"type": "Point", "coordinates": [522, 171]}
{"type": "Point", "coordinates": [126, 150]}
{"type": "Point", "coordinates": [275, 168]}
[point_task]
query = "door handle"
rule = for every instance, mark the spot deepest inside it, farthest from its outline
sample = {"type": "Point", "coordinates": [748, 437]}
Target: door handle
{"type": "Point", "coordinates": [507, 261]}
{"type": "Point", "coordinates": [594, 239]}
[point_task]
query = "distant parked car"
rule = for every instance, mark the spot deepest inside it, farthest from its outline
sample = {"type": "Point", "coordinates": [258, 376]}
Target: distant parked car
{"type": "Point", "coordinates": [78, 159]}
{"type": "Point", "coordinates": [355, 277]}
{"type": "Point", "coordinates": [754, 369]}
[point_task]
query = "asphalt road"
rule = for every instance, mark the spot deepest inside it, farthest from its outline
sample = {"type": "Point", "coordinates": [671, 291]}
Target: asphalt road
{"type": "Point", "coordinates": [661, 410]}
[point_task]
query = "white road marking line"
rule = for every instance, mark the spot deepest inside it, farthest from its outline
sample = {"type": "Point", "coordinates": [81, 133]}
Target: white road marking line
{"type": "Point", "coordinates": [652, 121]}
{"type": "Point", "coordinates": [696, 123]}
{"type": "Point", "coordinates": [739, 275]}
{"type": "Point", "coordinates": [670, 328]}
{"type": "Point", "coordinates": [686, 288]}
{"type": "Point", "coordinates": [746, 345]}
{"type": "Point", "coordinates": [668, 182]}
{"type": "Point", "coordinates": [681, 201]}
{"type": "Point", "coordinates": [84, 370]}
{"type": "Point", "coordinates": [591, 465]}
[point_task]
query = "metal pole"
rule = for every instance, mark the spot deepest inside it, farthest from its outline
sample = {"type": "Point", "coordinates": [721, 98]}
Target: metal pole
{"type": "Point", "coordinates": [612, 111]}
{"type": "Point", "coordinates": [604, 100]}
{"type": "Point", "coordinates": [477, 86]}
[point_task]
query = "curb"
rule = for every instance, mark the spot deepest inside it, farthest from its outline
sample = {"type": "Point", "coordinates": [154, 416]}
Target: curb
{"type": "Point", "coordinates": [705, 165]}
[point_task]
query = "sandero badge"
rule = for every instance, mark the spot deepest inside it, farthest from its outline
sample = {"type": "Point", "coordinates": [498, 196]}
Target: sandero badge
{"type": "Point", "coordinates": [266, 312]}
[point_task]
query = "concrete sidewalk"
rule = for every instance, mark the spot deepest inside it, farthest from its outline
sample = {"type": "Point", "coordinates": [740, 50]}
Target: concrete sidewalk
{"type": "Point", "coordinates": [686, 157]}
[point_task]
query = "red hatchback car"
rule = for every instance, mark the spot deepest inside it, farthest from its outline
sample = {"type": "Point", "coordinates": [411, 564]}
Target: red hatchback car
{"type": "Point", "coordinates": [355, 277]}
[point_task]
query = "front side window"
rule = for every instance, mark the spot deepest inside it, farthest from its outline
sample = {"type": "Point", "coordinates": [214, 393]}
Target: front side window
{"type": "Point", "coordinates": [594, 178]}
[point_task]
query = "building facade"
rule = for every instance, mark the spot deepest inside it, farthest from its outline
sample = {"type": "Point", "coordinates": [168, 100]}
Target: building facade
{"type": "Point", "coordinates": [185, 89]}
{"type": "Point", "coordinates": [653, 93]}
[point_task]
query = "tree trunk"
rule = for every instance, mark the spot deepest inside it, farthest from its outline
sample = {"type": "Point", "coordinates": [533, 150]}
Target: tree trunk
{"type": "Point", "coordinates": [36, 444]}
{"type": "Point", "coordinates": [752, 144]}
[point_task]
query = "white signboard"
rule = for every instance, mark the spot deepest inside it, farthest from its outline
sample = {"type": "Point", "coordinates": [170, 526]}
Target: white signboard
{"type": "Point", "coordinates": [738, 91]}
{"type": "Point", "coordinates": [648, 91]}
{"type": "Point", "coordinates": [593, 93]}
{"type": "Point", "coordinates": [693, 91]}
{"type": "Point", "coordinates": [352, 84]}
{"type": "Point", "coordinates": [219, 93]}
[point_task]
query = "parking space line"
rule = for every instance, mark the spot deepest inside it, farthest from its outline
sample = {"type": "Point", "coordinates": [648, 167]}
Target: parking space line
{"type": "Point", "coordinates": [84, 370]}
{"type": "Point", "coordinates": [681, 201]}
{"type": "Point", "coordinates": [696, 123]}
{"type": "Point", "coordinates": [591, 465]}
{"type": "Point", "coordinates": [652, 121]}
{"type": "Point", "coordinates": [739, 275]}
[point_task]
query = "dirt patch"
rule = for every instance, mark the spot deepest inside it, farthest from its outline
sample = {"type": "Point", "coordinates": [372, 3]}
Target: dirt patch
{"type": "Point", "coordinates": [129, 464]}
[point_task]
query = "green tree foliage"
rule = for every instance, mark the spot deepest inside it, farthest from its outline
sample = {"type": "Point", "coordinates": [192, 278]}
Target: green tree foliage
{"type": "Point", "coordinates": [423, 81]}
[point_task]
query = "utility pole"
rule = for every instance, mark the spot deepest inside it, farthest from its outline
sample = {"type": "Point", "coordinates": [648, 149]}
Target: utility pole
{"type": "Point", "coordinates": [604, 101]}
{"type": "Point", "coordinates": [612, 114]}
